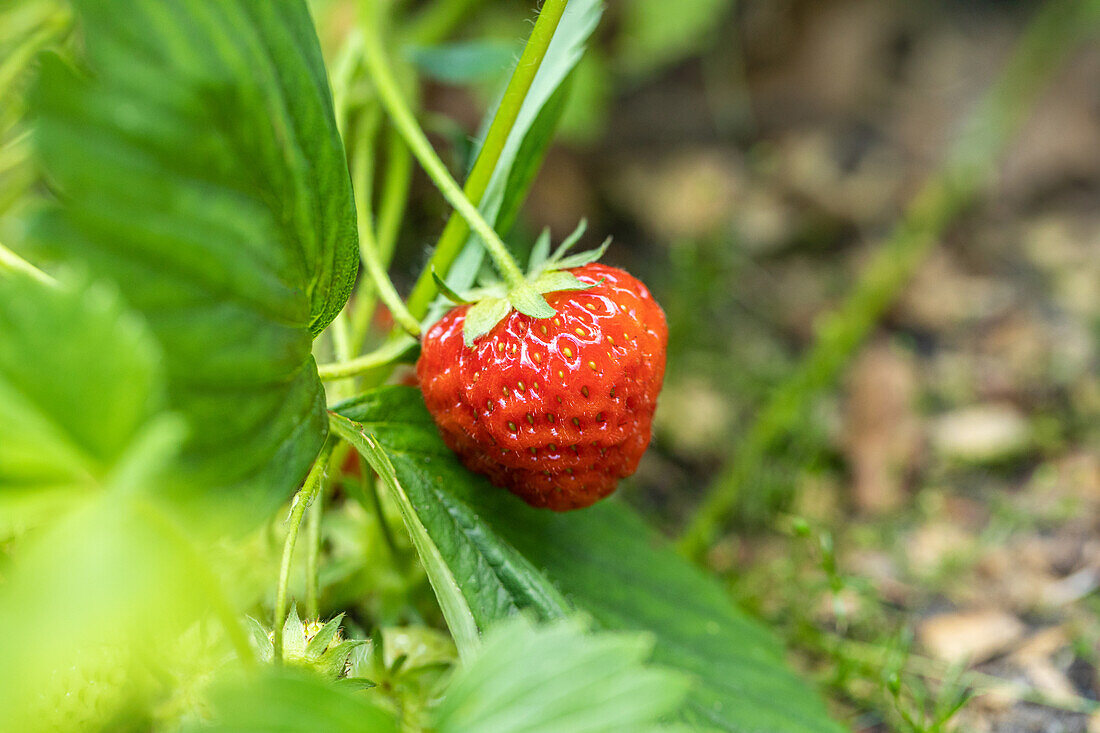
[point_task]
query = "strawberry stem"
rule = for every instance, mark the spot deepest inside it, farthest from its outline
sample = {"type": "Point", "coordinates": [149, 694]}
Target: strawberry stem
{"type": "Point", "coordinates": [403, 120]}
{"type": "Point", "coordinates": [362, 169]}
{"type": "Point", "coordinates": [302, 500]}
{"type": "Point", "coordinates": [313, 554]}
{"type": "Point", "coordinates": [454, 234]}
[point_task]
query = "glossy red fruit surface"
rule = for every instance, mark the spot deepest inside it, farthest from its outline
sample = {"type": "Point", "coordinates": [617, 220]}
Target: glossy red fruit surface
{"type": "Point", "coordinates": [555, 410]}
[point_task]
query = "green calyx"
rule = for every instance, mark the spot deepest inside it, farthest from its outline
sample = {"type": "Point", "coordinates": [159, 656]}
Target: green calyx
{"type": "Point", "coordinates": [311, 644]}
{"type": "Point", "coordinates": [546, 273]}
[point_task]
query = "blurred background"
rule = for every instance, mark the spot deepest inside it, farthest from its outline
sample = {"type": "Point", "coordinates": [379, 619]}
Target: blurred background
{"type": "Point", "coordinates": [918, 494]}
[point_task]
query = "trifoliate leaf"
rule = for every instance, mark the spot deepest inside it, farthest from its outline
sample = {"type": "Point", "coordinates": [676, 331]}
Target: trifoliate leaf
{"type": "Point", "coordinates": [481, 318]}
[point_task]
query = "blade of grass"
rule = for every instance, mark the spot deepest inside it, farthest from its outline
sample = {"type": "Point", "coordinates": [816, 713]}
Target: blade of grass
{"type": "Point", "coordinates": [1055, 30]}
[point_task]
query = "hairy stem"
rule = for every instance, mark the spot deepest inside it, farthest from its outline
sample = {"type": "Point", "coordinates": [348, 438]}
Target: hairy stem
{"type": "Point", "coordinates": [406, 124]}
{"type": "Point", "coordinates": [302, 500]}
{"type": "Point", "coordinates": [313, 555]}
{"type": "Point", "coordinates": [388, 353]}
{"type": "Point", "coordinates": [964, 173]}
{"type": "Point", "coordinates": [454, 234]}
{"type": "Point", "coordinates": [362, 170]}
{"type": "Point", "coordinates": [394, 195]}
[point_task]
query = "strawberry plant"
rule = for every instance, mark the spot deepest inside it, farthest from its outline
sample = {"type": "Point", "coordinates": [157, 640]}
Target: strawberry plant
{"type": "Point", "coordinates": [223, 505]}
{"type": "Point", "coordinates": [208, 192]}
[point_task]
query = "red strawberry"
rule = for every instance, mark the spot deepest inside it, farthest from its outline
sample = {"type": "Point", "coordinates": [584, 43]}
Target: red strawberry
{"type": "Point", "coordinates": [556, 410]}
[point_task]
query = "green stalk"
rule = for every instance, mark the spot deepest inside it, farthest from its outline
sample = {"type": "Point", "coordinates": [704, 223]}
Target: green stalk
{"type": "Point", "coordinates": [313, 555]}
{"type": "Point", "coordinates": [383, 355]}
{"type": "Point", "coordinates": [12, 263]}
{"type": "Point", "coordinates": [454, 234]}
{"type": "Point", "coordinates": [1049, 38]}
{"type": "Point", "coordinates": [406, 124]}
{"type": "Point", "coordinates": [362, 179]}
{"type": "Point", "coordinates": [362, 170]}
{"type": "Point", "coordinates": [395, 194]}
{"type": "Point", "coordinates": [302, 500]}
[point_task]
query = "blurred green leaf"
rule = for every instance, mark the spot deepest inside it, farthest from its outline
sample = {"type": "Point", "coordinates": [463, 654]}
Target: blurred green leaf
{"type": "Point", "coordinates": [113, 581]}
{"type": "Point", "coordinates": [603, 559]}
{"type": "Point", "coordinates": [464, 62]}
{"type": "Point", "coordinates": [79, 380]}
{"type": "Point", "coordinates": [284, 700]}
{"type": "Point", "coordinates": [656, 32]}
{"type": "Point", "coordinates": [580, 683]}
{"type": "Point", "coordinates": [92, 600]}
{"type": "Point", "coordinates": [199, 167]}
{"type": "Point", "coordinates": [81, 393]}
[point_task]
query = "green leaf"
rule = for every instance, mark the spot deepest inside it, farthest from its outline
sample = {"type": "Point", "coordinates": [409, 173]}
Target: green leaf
{"type": "Point", "coordinates": [452, 602]}
{"type": "Point", "coordinates": [294, 634]}
{"type": "Point", "coordinates": [655, 33]}
{"type": "Point", "coordinates": [80, 419]}
{"type": "Point", "coordinates": [495, 581]}
{"type": "Point", "coordinates": [572, 239]}
{"type": "Point", "coordinates": [482, 316]}
{"type": "Point", "coordinates": [530, 156]}
{"type": "Point", "coordinates": [580, 683]}
{"type": "Point", "coordinates": [446, 290]}
{"type": "Point", "coordinates": [530, 135]}
{"type": "Point", "coordinates": [607, 563]}
{"type": "Point", "coordinates": [556, 280]}
{"type": "Point", "coordinates": [320, 641]}
{"type": "Point", "coordinates": [200, 168]}
{"type": "Point", "coordinates": [584, 258]}
{"type": "Point", "coordinates": [79, 377]}
{"type": "Point", "coordinates": [540, 252]}
{"type": "Point", "coordinates": [81, 388]}
{"type": "Point", "coordinates": [464, 62]}
{"type": "Point", "coordinates": [529, 301]}
{"type": "Point", "coordinates": [258, 638]}
{"type": "Point", "coordinates": [289, 701]}
{"type": "Point", "coordinates": [93, 596]}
